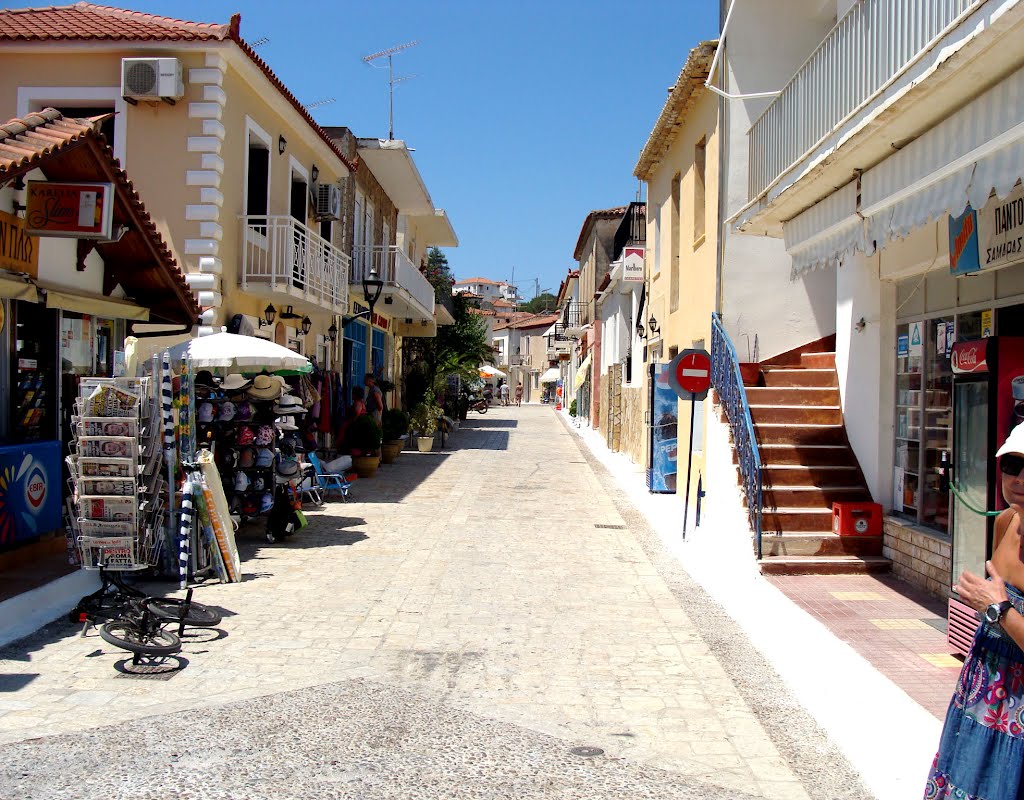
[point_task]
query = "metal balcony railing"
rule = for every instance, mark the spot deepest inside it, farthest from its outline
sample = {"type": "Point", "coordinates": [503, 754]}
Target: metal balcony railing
{"type": "Point", "coordinates": [282, 253]}
{"type": "Point", "coordinates": [396, 270]}
{"type": "Point", "coordinates": [868, 48]}
{"type": "Point", "coordinates": [519, 361]}
{"type": "Point", "coordinates": [725, 377]}
{"type": "Point", "coordinates": [573, 314]}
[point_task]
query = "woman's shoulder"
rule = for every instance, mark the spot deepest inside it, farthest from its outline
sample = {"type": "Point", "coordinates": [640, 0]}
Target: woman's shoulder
{"type": "Point", "coordinates": [1003, 523]}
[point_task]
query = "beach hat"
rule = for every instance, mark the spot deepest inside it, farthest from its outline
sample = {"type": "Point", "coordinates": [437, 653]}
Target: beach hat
{"type": "Point", "coordinates": [265, 436]}
{"type": "Point", "coordinates": [287, 468]}
{"type": "Point", "coordinates": [264, 457]}
{"type": "Point", "coordinates": [286, 424]}
{"type": "Point", "coordinates": [259, 484]}
{"type": "Point", "coordinates": [247, 457]}
{"type": "Point", "coordinates": [266, 387]}
{"type": "Point", "coordinates": [241, 481]}
{"type": "Point", "coordinates": [266, 502]}
{"type": "Point", "coordinates": [245, 435]}
{"type": "Point", "coordinates": [227, 411]}
{"type": "Point", "coordinates": [289, 404]}
{"type": "Point", "coordinates": [235, 383]}
{"type": "Point", "coordinates": [286, 447]}
{"type": "Point", "coordinates": [205, 412]}
{"type": "Point", "coordinates": [1014, 443]}
{"type": "Point", "coordinates": [204, 378]}
{"type": "Point", "coordinates": [243, 410]}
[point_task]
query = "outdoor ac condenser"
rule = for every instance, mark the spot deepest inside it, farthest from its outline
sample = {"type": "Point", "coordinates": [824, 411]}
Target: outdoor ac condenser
{"type": "Point", "coordinates": [151, 79]}
{"type": "Point", "coordinates": [328, 201]}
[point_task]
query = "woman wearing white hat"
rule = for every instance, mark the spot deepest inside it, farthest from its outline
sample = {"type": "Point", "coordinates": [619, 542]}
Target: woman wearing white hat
{"type": "Point", "coordinates": [981, 752]}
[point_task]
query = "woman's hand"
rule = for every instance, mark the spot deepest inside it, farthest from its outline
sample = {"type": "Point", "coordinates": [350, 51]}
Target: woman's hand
{"type": "Point", "coordinates": [979, 593]}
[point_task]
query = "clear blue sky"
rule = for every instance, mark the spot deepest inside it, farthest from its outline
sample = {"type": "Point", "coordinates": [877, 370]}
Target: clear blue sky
{"type": "Point", "coordinates": [524, 115]}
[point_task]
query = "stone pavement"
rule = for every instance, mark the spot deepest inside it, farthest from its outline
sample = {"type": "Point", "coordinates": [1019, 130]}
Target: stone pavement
{"type": "Point", "coordinates": [465, 621]}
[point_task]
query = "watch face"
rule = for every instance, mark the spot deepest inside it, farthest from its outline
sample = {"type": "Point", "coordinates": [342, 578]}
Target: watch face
{"type": "Point", "coordinates": [992, 614]}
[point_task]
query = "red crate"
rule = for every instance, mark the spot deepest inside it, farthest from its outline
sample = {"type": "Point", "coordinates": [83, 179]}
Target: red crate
{"type": "Point", "coordinates": [857, 519]}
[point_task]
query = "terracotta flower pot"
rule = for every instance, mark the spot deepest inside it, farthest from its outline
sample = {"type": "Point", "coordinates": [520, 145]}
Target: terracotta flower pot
{"type": "Point", "coordinates": [389, 451]}
{"type": "Point", "coordinates": [365, 466]}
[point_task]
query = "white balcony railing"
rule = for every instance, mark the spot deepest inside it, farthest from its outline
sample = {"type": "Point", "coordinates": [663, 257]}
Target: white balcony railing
{"type": "Point", "coordinates": [286, 256]}
{"type": "Point", "coordinates": [397, 271]}
{"type": "Point", "coordinates": [869, 47]}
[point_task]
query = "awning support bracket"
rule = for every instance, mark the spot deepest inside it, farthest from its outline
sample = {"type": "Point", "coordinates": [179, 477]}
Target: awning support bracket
{"type": "Point", "coordinates": [85, 247]}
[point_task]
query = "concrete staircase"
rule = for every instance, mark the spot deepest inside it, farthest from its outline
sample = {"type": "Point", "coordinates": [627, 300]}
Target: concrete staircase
{"type": "Point", "coordinates": [807, 464]}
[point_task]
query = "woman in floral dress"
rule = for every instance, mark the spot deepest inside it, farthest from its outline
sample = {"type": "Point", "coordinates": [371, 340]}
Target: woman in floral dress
{"type": "Point", "coordinates": [981, 752]}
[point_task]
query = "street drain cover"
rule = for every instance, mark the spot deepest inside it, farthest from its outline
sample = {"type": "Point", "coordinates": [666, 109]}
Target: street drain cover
{"type": "Point", "coordinates": [610, 527]}
{"type": "Point", "coordinates": [587, 752]}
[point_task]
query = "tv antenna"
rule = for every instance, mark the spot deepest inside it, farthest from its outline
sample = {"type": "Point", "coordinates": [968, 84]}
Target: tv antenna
{"type": "Point", "coordinates": [392, 80]}
{"type": "Point", "coordinates": [263, 40]}
{"type": "Point", "coordinates": [326, 101]}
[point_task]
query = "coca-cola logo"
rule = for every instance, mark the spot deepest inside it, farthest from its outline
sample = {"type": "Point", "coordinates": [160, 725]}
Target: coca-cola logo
{"type": "Point", "coordinates": [968, 358]}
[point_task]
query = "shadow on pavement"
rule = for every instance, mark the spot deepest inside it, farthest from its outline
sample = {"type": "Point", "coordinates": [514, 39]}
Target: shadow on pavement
{"type": "Point", "coordinates": [474, 423]}
{"type": "Point", "coordinates": [391, 484]}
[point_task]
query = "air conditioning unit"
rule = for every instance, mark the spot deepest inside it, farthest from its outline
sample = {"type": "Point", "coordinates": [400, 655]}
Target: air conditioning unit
{"type": "Point", "coordinates": [151, 79]}
{"type": "Point", "coordinates": [328, 201]}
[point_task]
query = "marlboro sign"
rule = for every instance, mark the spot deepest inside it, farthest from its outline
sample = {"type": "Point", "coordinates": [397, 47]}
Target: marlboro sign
{"type": "Point", "coordinates": [72, 210]}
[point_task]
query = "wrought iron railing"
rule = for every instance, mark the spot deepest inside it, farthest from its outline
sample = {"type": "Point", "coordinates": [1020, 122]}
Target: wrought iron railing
{"type": "Point", "coordinates": [725, 377]}
{"type": "Point", "coordinates": [868, 48]}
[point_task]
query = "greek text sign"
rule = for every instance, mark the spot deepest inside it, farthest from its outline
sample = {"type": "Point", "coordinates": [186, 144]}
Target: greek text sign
{"type": "Point", "coordinates": [19, 252]}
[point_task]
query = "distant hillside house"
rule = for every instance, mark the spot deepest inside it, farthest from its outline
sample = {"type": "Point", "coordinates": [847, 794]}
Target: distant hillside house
{"type": "Point", "coordinates": [488, 290]}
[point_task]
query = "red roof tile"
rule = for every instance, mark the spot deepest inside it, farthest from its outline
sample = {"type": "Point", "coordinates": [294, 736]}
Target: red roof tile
{"type": "Point", "coordinates": [89, 22]}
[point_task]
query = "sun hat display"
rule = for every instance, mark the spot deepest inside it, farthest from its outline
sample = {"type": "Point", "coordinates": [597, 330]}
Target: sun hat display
{"type": "Point", "coordinates": [286, 448]}
{"type": "Point", "coordinates": [264, 436]}
{"type": "Point", "coordinates": [286, 424]}
{"type": "Point", "coordinates": [205, 412]}
{"type": "Point", "coordinates": [287, 468]}
{"type": "Point", "coordinates": [289, 404]}
{"type": "Point", "coordinates": [241, 481]}
{"type": "Point", "coordinates": [247, 457]}
{"type": "Point", "coordinates": [265, 457]}
{"type": "Point", "coordinates": [266, 387]}
{"type": "Point", "coordinates": [250, 506]}
{"type": "Point", "coordinates": [204, 378]}
{"type": "Point", "coordinates": [1014, 442]}
{"type": "Point", "coordinates": [235, 383]}
{"type": "Point", "coordinates": [243, 410]}
{"type": "Point", "coordinates": [246, 435]}
{"type": "Point", "coordinates": [266, 502]}
{"type": "Point", "coordinates": [259, 484]}
{"type": "Point", "coordinates": [227, 411]}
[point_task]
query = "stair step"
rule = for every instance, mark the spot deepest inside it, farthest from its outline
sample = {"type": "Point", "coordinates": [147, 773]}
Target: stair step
{"type": "Point", "coordinates": [778, 475]}
{"type": "Point", "coordinates": [798, 376]}
{"type": "Point", "coordinates": [818, 360]}
{"type": "Point", "coordinates": [792, 520]}
{"type": "Point", "coordinates": [796, 415]}
{"type": "Point", "coordinates": [824, 565]}
{"type": "Point", "coordinates": [804, 455]}
{"type": "Point", "coordinates": [782, 497]}
{"type": "Point", "coordinates": [783, 433]}
{"type": "Point", "coordinates": [819, 544]}
{"type": "Point", "coordinates": [793, 395]}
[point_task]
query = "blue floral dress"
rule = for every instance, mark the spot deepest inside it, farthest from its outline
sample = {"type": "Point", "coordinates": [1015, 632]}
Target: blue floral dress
{"type": "Point", "coordinates": [981, 752]}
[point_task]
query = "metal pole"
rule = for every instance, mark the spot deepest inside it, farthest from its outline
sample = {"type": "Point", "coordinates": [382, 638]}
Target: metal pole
{"type": "Point", "coordinates": [391, 102]}
{"type": "Point", "coordinates": [689, 464]}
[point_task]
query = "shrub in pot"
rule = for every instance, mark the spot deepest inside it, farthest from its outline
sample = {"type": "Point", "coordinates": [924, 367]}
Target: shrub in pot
{"type": "Point", "coordinates": [364, 437]}
{"type": "Point", "coordinates": [424, 420]}
{"type": "Point", "coordinates": [394, 425]}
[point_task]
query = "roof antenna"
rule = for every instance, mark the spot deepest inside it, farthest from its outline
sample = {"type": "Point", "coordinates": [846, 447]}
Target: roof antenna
{"type": "Point", "coordinates": [263, 40]}
{"type": "Point", "coordinates": [392, 80]}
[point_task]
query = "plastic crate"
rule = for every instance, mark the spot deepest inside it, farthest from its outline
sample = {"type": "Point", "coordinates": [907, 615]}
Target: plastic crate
{"type": "Point", "coordinates": [857, 519]}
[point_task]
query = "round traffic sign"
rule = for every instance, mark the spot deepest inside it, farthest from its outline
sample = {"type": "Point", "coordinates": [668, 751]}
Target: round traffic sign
{"type": "Point", "coordinates": [693, 371]}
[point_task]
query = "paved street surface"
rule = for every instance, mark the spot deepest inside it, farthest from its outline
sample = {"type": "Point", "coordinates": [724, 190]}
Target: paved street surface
{"type": "Point", "coordinates": [455, 631]}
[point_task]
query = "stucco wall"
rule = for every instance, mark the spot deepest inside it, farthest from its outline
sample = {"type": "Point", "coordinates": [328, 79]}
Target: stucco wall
{"type": "Point", "coordinates": [633, 431]}
{"type": "Point", "coordinates": [918, 558]}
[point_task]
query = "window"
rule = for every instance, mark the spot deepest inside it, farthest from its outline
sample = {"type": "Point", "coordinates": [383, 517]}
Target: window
{"type": "Point", "coordinates": [699, 161]}
{"type": "Point", "coordinates": [257, 173]}
{"type": "Point", "coordinates": [674, 232]}
{"type": "Point", "coordinates": [82, 101]}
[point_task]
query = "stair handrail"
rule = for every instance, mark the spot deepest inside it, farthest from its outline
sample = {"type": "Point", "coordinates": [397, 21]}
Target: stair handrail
{"type": "Point", "coordinates": [728, 383]}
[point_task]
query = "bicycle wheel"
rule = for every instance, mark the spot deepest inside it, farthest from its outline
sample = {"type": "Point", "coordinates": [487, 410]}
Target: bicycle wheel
{"type": "Point", "coordinates": [128, 636]}
{"type": "Point", "coordinates": [169, 610]}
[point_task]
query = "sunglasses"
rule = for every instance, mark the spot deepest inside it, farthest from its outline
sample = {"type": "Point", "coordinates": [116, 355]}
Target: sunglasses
{"type": "Point", "coordinates": [1011, 464]}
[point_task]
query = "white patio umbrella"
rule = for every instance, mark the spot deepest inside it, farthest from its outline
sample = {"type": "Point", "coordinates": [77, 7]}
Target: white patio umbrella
{"type": "Point", "coordinates": [487, 371]}
{"type": "Point", "coordinates": [551, 376]}
{"type": "Point", "coordinates": [240, 353]}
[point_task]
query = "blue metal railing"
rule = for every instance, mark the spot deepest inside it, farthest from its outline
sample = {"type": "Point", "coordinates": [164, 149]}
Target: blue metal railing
{"type": "Point", "coordinates": [725, 377]}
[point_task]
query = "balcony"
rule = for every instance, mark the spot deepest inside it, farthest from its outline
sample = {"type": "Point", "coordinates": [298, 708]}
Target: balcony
{"type": "Point", "coordinates": [407, 295]}
{"type": "Point", "coordinates": [282, 258]}
{"type": "Point", "coordinates": [520, 361]}
{"type": "Point", "coordinates": [573, 319]}
{"type": "Point", "coordinates": [884, 74]}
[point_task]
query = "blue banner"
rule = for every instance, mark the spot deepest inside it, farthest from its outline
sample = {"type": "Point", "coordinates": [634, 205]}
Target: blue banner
{"type": "Point", "coordinates": [664, 423]}
{"type": "Point", "coordinates": [30, 491]}
{"type": "Point", "coordinates": [964, 256]}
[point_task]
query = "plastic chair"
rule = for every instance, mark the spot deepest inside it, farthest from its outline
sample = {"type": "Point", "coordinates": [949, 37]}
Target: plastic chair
{"type": "Point", "coordinates": [310, 487]}
{"type": "Point", "coordinates": [328, 482]}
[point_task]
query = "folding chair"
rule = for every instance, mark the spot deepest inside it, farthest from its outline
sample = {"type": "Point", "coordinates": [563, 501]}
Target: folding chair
{"type": "Point", "coordinates": [309, 487]}
{"type": "Point", "coordinates": [327, 481]}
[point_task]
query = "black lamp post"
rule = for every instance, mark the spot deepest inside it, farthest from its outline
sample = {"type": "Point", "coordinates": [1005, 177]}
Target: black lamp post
{"type": "Point", "coordinates": [269, 313]}
{"type": "Point", "coordinates": [372, 288]}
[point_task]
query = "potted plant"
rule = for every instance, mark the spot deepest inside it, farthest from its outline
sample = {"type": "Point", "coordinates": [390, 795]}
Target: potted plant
{"type": "Point", "coordinates": [364, 436]}
{"type": "Point", "coordinates": [424, 420]}
{"type": "Point", "coordinates": [394, 425]}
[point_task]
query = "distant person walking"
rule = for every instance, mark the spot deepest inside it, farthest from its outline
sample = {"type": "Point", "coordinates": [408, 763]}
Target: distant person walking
{"type": "Point", "coordinates": [981, 751]}
{"type": "Point", "coordinates": [519, 394]}
{"type": "Point", "coordinates": [504, 394]}
{"type": "Point", "coordinates": [374, 398]}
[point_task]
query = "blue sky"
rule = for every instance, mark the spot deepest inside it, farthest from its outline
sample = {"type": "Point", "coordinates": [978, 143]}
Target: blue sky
{"type": "Point", "coordinates": [524, 115]}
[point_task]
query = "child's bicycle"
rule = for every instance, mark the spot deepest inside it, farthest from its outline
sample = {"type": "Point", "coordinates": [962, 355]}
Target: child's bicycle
{"type": "Point", "coordinates": [140, 629]}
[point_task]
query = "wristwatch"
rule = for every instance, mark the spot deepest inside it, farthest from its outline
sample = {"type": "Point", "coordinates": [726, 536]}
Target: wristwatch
{"type": "Point", "coordinates": [995, 612]}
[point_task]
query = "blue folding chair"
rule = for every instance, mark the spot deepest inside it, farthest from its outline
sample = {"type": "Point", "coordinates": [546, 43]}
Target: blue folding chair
{"type": "Point", "coordinates": [328, 482]}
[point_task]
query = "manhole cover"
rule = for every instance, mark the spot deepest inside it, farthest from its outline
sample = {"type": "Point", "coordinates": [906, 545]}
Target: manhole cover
{"type": "Point", "coordinates": [587, 752]}
{"type": "Point", "coordinates": [610, 527]}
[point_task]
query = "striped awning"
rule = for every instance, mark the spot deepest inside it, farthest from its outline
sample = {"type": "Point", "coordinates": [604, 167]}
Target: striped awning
{"type": "Point", "coordinates": [826, 233]}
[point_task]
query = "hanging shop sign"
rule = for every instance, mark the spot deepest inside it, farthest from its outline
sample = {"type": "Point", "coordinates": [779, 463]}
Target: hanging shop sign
{"type": "Point", "coordinates": [19, 251]}
{"type": "Point", "coordinates": [633, 265]}
{"type": "Point", "coordinates": [969, 357]}
{"type": "Point", "coordinates": [990, 238]}
{"type": "Point", "coordinates": [72, 210]}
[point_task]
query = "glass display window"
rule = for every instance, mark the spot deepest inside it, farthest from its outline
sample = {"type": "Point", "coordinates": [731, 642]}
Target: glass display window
{"type": "Point", "coordinates": [33, 411]}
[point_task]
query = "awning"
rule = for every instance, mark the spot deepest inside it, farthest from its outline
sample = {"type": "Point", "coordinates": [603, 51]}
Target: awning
{"type": "Point", "coordinates": [15, 288]}
{"type": "Point", "coordinates": [826, 233]}
{"type": "Point", "coordinates": [582, 373]}
{"type": "Point", "coordinates": [978, 149]}
{"type": "Point", "coordinates": [96, 304]}
{"type": "Point", "coordinates": [551, 375]}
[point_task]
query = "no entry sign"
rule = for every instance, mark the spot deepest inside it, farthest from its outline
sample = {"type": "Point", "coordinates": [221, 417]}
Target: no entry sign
{"type": "Point", "coordinates": [690, 374]}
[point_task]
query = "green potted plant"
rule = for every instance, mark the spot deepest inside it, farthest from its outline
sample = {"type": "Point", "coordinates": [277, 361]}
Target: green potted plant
{"type": "Point", "coordinates": [424, 420]}
{"type": "Point", "coordinates": [394, 425]}
{"type": "Point", "coordinates": [364, 437]}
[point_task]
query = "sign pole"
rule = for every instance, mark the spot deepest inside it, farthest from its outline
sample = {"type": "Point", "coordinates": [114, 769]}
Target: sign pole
{"type": "Point", "coordinates": [689, 467]}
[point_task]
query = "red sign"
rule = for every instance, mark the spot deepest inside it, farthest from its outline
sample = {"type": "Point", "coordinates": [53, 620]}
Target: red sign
{"type": "Point", "coordinates": [969, 357]}
{"type": "Point", "coordinates": [76, 210]}
{"type": "Point", "coordinates": [689, 374]}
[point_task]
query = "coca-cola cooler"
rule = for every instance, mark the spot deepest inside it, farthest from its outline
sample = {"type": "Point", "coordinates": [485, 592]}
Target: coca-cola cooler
{"type": "Point", "coordinates": [988, 402]}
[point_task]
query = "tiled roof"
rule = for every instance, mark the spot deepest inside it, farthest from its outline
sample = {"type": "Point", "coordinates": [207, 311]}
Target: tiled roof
{"type": "Point", "coordinates": [31, 141]}
{"type": "Point", "coordinates": [90, 22]}
{"type": "Point", "coordinates": [478, 280]}
{"type": "Point", "coordinates": [592, 217]}
{"type": "Point", "coordinates": [483, 312]}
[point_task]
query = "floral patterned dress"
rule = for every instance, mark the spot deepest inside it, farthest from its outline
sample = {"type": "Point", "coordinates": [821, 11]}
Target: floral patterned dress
{"type": "Point", "coordinates": [981, 752]}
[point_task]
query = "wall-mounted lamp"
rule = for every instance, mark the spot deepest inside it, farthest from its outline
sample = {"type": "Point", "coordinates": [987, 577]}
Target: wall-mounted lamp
{"type": "Point", "coordinates": [640, 332]}
{"type": "Point", "coordinates": [289, 313]}
{"type": "Point", "coordinates": [652, 326]}
{"type": "Point", "coordinates": [307, 323]}
{"type": "Point", "coordinates": [860, 325]}
{"type": "Point", "coordinates": [269, 314]}
{"type": "Point", "coordinates": [332, 332]}
{"type": "Point", "coordinates": [282, 145]}
{"type": "Point", "coordinates": [314, 173]}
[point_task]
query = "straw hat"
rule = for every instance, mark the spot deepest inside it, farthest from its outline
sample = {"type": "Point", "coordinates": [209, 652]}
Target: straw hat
{"type": "Point", "coordinates": [235, 383]}
{"type": "Point", "coordinates": [266, 387]}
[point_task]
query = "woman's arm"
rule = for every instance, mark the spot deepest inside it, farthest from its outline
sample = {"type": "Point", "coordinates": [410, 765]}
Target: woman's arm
{"type": "Point", "coordinates": [979, 594]}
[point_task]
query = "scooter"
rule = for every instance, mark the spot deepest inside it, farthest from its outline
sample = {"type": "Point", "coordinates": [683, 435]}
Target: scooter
{"type": "Point", "coordinates": [479, 404]}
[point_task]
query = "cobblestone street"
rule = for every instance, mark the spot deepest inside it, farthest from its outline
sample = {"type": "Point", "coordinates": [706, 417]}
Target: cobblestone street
{"type": "Point", "coordinates": [454, 631]}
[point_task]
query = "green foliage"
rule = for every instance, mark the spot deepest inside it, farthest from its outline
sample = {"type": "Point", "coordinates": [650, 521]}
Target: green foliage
{"type": "Point", "coordinates": [424, 417]}
{"type": "Point", "coordinates": [438, 273]}
{"type": "Point", "coordinates": [395, 424]}
{"type": "Point", "coordinates": [572, 409]}
{"type": "Point", "coordinates": [542, 302]}
{"type": "Point", "coordinates": [364, 435]}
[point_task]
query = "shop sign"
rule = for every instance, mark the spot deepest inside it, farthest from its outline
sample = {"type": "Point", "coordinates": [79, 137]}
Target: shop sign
{"type": "Point", "coordinates": [19, 252]}
{"type": "Point", "coordinates": [990, 238]}
{"type": "Point", "coordinates": [30, 502]}
{"type": "Point", "coordinates": [969, 357]}
{"type": "Point", "coordinates": [633, 265]}
{"type": "Point", "coordinates": [916, 340]}
{"type": "Point", "coordinates": [902, 345]}
{"type": "Point", "coordinates": [73, 210]}
{"type": "Point", "coordinates": [986, 323]}
{"type": "Point", "coordinates": [963, 243]}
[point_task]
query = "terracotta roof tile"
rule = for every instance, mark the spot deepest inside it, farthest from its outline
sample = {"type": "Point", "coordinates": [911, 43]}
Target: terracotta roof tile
{"type": "Point", "coordinates": [89, 22]}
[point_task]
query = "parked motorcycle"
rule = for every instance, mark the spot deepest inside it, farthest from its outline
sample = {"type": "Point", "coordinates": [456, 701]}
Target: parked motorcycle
{"type": "Point", "coordinates": [479, 404]}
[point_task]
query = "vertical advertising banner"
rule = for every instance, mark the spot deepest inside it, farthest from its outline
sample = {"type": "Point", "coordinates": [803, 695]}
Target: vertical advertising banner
{"type": "Point", "coordinates": [664, 424]}
{"type": "Point", "coordinates": [30, 491]}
